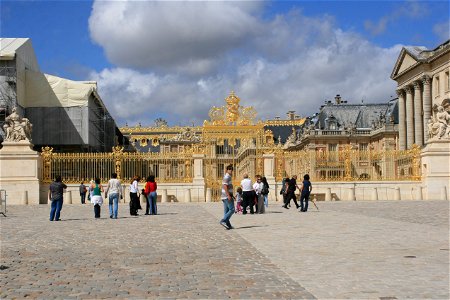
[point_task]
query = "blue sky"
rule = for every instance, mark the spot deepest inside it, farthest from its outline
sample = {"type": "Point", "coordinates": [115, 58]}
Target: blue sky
{"type": "Point", "coordinates": [176, 59]}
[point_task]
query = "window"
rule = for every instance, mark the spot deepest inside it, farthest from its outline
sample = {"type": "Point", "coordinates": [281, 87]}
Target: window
{"type": "Point", "coordinates": [363, 146]}
{"type": "Point", "coordinates": [447, 81]}
{"type": "Point", "coordinates": [436, 85]}
{"type": "Point", "coordinates": [332, 147]}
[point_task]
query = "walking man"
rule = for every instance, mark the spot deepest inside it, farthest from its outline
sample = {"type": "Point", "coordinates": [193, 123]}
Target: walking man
{"type": "Point", "coordinates": [115, 191]}
{"type": "Point", "coordinates": [290, 192]}
{"type": "Point", "coordinates": [227, 198]}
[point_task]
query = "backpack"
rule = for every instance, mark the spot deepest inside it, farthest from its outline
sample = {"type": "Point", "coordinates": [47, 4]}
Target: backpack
{"type": "Point", "coordinates": [265, 190]}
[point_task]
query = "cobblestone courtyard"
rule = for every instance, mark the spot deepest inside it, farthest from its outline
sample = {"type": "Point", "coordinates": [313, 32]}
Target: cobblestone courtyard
{"type": "Point", "coordinates": [357, 250]}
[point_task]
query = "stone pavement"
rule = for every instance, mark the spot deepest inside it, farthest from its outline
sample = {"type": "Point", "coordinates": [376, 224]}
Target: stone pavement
{"type": "Point", "coordinates": [358, 250]}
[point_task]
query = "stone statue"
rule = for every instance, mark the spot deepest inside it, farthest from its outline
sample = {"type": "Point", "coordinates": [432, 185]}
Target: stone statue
{"type": "Point", "coordinates": [439, 124]}
{"type": "Point", "coordinates": [17, 128]}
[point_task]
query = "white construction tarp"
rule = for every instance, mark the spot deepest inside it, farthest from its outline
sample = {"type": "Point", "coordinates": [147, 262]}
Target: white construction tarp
{"type": "Point", "coordinates": [43, 90]}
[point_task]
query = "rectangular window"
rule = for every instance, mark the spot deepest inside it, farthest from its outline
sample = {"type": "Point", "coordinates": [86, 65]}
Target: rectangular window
{"type": "Point", "coordinates": [436, 85]}
{"type": "Point", "coordinates": [332, 147]}
{"type": "Point", "coordinates": [363, 146]}
{"type": "Point", "coordinates": [447, 81]}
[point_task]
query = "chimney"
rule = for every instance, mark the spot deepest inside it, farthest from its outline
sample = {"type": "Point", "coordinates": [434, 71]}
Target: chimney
{"type": "Point", "coordinates": [338, 99]}
{"type": "Point", "coordinates": [291, 114]}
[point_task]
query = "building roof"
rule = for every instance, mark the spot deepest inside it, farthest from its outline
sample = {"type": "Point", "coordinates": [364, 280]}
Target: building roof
{"type": "Point", "coordinates": [360, 115]}
{"type": "Point", "coordinates": [9, 47]}
{"type": "Point", "coordinates": [44, 90]}
{"type": "Point", "coordinates": [418, 55]}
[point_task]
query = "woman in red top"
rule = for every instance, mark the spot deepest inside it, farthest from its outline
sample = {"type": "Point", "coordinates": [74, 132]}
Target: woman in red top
{"type": "Point", "coordinates": [150, 192]}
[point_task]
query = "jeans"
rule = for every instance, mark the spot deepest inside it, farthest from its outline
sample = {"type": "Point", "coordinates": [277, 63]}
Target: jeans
{"type": "Point", "coordinates": [113, 200]}
{"type": "Point", "coordinates": [83, 198]}
{"type": "Point", "coordinates": [55, 209]}
{"type": "Point", "coordinates": [266, 200]}
{"type": "Point", "coordinates": [152, 200]}
{"type": "Point", "coordinates": [228, 210]}
{"type": "Point", "coordinates": [304, 196]}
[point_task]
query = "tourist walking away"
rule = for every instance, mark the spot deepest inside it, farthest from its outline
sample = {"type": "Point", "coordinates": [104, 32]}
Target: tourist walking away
{"type": "Point", "coordinates": [258, 186]}
{"type": "Point", "coordinates": [291, 187]}
{"type": "Point", "coordinates": [83, 191]}
{"type": "Point", "coordinates": [227, 198]}
{"type": "Point", "coordinates": [248, 194]}
{"type": "Point", "coordinates": [55, 195]}
{"type": "Point", "coordinates": [305, 191]}
{"type": "Point", "coordinates": [114, 191]}
{"type": "Point", "coordinates": [238, 200]}
{"type": "Point", "coordinates": [265, 191]}
{"type": "Point", "coordinates": [97, 198]}
{"type": "Point", "coordinates": [134, 196]}
{"type": "Point", "coordinates": [150, 193]}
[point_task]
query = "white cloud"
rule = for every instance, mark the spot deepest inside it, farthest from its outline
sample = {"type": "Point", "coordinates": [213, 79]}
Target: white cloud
{"type": "Point", "coordinates": [290, 62]}
{"type": "Point", "coordinates": [442, 30]}
{"type": "Point", "coordinates": [175, 36]}
{"type": "Point", "coordinates": [409, 9]}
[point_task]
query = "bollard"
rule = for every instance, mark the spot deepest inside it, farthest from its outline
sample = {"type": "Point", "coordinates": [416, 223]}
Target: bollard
{"type": "Point", "coordinates": [352, 195]}
{"type": "Point", "coordinates": [187, 195]}
{"type": "Point", "coordinates": [25, 197]}
{"type": "Point", "coordinates": [68, 197]}
{"type": "Point", "coordinates": [124, 197]}
{"type": "Point", "coordinates": [374, 194]}
{"type": "Point", "coordinates": [397, 194]}
{"type": "Point", "coordinates": [328, 195]}
{"type": "Point", "coordinates": [208, 195]}
{"type": "Point", "coordinates": [444, 193]}
{"type": "Point", "coordinates": [163, 196]}
{"type": "Point", "coordinates": [418, 193]}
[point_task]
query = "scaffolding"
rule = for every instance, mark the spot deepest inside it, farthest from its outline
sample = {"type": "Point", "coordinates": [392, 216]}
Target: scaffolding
{"type": "Point", "coordinates": [8, 93]}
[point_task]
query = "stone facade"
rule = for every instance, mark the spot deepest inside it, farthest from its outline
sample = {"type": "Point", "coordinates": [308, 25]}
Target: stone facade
{"type": "Point", "coordinates": [423, 81]}
{"type": "Point", "coordinates": [423, 89]}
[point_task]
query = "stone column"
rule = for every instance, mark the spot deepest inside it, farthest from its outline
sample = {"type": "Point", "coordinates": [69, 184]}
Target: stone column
{"type": "Point", "coordinates": [409, 118]}
{"type": "Point", "coordinates": [426, 80]}
{"type": "Point", "coordinates": [401, 121]}
{"type": "Point", "coordinates": [269, 171]}
{"type": "Point", "coordinates": [418, 119]}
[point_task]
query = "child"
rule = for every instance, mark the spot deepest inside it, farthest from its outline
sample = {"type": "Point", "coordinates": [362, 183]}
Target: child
{"type": "Point", "coordinates": [238, 200]}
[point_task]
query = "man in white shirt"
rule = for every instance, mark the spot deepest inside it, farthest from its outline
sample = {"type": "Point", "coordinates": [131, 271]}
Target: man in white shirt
{"type": "Point", "coordinates": [257, 186]}
{"type": "Point", "coordinates": [248, 195]}
{"type": "Point", "coordinates": [115, 191]}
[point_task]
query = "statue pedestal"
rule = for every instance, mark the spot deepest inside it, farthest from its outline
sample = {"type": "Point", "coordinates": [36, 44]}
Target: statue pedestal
{"type": "Point", "coordinates": [436, 170]}
{"type": "Point", "coordinates": [20, 172]}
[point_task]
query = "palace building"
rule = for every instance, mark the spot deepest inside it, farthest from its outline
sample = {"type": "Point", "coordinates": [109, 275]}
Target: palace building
{"type": "Point", "coordinates": [423, 84]}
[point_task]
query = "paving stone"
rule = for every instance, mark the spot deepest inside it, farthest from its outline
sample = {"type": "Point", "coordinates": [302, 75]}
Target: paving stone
{"type": "Point", "coordinates": [181, 254]}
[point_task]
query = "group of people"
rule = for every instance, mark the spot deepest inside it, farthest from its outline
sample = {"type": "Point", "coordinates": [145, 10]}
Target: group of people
{"type": "Point", "coordinates": [289, 186]}
{"type": "Point", "coordinates": [249, 195]}
{"type": "Point", "coordinates": [112, 191]}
